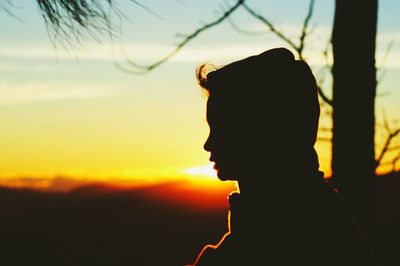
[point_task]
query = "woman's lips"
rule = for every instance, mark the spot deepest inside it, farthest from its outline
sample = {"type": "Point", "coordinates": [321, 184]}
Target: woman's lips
{"type": "Point", "coordinates": [215, 167]}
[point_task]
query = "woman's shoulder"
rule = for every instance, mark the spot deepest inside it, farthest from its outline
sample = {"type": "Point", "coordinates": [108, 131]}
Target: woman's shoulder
{"type": "Point", "coordinates": [224, 253]}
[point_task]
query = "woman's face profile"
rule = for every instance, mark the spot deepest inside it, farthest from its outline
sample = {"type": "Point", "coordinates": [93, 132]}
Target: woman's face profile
{"type": "Point", "coordinates": [220, 142]}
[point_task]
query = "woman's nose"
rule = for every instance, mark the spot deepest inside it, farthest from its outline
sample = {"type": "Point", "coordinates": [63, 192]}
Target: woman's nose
{"type": "Point", "coordinates": [207, 144]}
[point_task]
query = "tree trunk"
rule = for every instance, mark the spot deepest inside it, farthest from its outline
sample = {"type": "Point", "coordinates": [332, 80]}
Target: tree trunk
{"type": "Point", "coordinates": [354, 89]}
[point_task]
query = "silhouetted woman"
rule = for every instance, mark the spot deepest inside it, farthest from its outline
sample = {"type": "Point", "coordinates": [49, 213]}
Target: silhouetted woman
{"type": "Point", "coordinates": [263, 113]}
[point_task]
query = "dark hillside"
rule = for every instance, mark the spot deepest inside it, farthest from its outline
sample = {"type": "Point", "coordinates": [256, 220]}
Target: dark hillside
{"type": "Point", "coordinates": [98, 225]}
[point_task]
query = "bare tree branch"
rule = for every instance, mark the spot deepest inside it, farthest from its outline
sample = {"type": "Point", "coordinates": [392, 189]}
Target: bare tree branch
{"type": "Point", "coordinates": [325, 54]}
{"type": "Point", "coordinates": [305, 27]}
{"type": "Point", "coordinates": [379, 69]}
{"type": "Point", "coordinates": [237, 28]}
{"type": "Point", "coordinates": [136, 68]}
{"type": "Point", "coordinates": [324, 97]}
{"type": "Point", "coordinates": [70, 21]}
{"type": "Point", "coordinates": [391, 134]}
{"type": "Point", "coordinates": [394, 162]}
{"type": "Point", "coordinates": [385, 121]}
{"type": "Point", "coordinates": [304, 31]}
{"type": "Point", "coordinates": [271, 27]}
{"type": "Point", "coordinates": [300, 47]}
{"type": "Point", "coordinates": [147, 9]}
{"type": "Point", "coordinates": [6, 6]}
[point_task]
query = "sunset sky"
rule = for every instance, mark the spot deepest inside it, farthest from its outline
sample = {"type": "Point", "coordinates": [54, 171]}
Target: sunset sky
{"type": "Point", "coordinates": [72, 112]}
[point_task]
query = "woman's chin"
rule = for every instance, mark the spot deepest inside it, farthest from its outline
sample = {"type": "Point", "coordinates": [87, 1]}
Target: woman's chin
{"type": "Point", "coordinates": [224, 175]}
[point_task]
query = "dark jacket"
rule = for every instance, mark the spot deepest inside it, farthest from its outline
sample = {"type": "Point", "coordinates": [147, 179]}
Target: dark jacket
{"type": "Point", "coordinates": [306, 224]}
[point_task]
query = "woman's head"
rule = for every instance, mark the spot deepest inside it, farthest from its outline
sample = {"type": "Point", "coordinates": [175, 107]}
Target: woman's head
{"type": "Point", "coordinates": [259, 109]}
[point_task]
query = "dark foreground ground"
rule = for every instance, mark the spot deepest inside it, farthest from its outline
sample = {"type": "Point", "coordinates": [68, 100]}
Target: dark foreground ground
{"type": "Point", "coordinates": [98, 225]}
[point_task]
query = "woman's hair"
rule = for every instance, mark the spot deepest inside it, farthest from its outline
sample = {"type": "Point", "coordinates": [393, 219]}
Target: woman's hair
{"type": "Point", "coordinates": [201, 75]}
{"type": "Point", "coordinates": [271, 87]}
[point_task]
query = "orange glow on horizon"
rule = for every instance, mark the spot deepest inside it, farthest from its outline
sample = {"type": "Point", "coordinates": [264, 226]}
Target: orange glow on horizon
{"type": "Point", "coordinates": [200, 192]}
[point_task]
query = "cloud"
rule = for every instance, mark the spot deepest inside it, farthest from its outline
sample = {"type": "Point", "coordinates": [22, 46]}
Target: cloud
{"type": "Point", "coordinates": [47, 91]}
{"type": "Point", "coordinates": [197, 51]}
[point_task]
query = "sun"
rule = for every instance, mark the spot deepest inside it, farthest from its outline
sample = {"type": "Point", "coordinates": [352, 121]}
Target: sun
{"type": "Point", "coordinates": [204, 171]}
{"type": "Point", "coordinates": [206, 177]}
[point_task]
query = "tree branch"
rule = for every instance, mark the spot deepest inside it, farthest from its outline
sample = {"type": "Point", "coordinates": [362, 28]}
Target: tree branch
{"type": "Point", "coordinates": [386, 147]}
{"type": "Point", "coordinates": [69, 21]}
{"type": "Point", "coordinates": [305, 27]}
{"type": "Point", "coordinates": [6, 6]}
{"type": "Point", "coordinates": [394, 162]}
{"type": "Point", "coordinates": [298, 48]}
{"type": "Point", "coordinates": [323, 96]}
{"type": "Point", "coordinates": [237, 28]}
{"type": "Point", "coordinates": [304, 31]}
{"type": "Point", "coordinates": [379, 69]}
{"type": "Point", "coordinates": [271, 27]}
{"type": "Point", "coordinates": [136, 68]}
{"type": "Point", "coordinates": [147, 9]}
